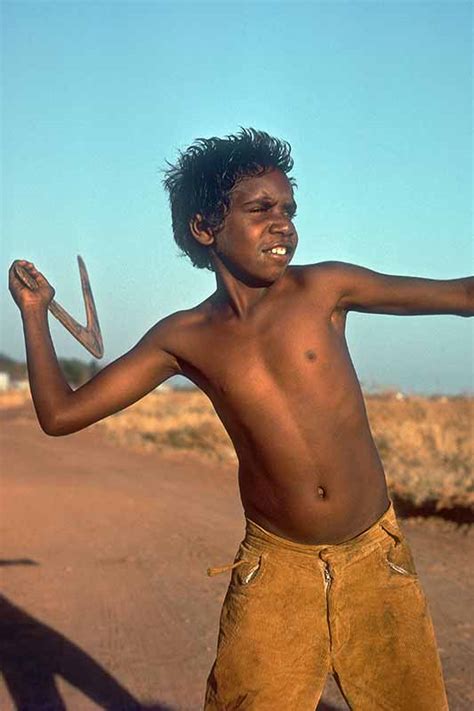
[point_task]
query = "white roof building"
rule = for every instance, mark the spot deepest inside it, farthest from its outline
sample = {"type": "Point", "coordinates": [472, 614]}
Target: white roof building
{"type": "Point", "coordinates": [4, 381]}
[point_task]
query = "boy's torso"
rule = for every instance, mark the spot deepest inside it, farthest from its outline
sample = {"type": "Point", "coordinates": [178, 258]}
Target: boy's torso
{"type": "Point", "coordinates": [284, 386]}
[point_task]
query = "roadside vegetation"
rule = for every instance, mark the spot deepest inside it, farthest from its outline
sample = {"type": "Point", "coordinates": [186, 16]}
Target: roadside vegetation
{"type": "Point", "coordinates": [426, 443]}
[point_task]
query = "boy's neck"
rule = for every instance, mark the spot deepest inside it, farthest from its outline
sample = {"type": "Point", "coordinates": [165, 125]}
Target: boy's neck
{"type": "Point", "coordinates": [241, 298]}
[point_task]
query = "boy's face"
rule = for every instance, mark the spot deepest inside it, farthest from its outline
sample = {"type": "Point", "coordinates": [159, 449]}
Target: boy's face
{"type": "Point", "coordinates": [259, 220]}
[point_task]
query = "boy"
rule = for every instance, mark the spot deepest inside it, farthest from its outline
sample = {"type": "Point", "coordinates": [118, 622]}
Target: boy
{"type": "Point", "coordinates": [324, 579]}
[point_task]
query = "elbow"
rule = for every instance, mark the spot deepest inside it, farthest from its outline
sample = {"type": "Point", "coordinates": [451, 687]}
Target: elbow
{"type": "Point", "coordinates": [54, 434]}
{"type": "Point", "coordinates": [59, 420]}
{"type": "Point", "coordinates": [53, 430]}
{"type": "Point", "coordinates": [57, 428]}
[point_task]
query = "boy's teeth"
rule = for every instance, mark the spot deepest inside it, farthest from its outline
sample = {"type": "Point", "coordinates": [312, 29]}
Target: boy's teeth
{"type": "Point", "coordinates": [278, 250]}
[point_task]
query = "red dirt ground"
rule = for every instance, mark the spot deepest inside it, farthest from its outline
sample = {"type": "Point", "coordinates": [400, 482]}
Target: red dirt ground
{"type": "Point", "coordinates": [106, 602]}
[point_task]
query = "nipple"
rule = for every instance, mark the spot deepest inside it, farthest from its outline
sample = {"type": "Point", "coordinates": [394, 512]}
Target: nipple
{"type": "Point", "coordinates": [310, 355]}
{"type": "Point", "coordinates": [321, 492]}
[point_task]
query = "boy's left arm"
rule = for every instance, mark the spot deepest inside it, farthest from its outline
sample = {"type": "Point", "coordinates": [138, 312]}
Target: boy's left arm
{"type": "Point", "coordinates": [361, 289]}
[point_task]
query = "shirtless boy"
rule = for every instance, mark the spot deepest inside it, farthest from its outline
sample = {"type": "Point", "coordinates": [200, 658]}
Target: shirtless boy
{"type": "Point", "coordinates": [324, 580]}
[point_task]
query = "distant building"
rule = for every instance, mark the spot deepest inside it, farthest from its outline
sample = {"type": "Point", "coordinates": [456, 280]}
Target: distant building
{"type": "Point", "coordinates": [4, 381]}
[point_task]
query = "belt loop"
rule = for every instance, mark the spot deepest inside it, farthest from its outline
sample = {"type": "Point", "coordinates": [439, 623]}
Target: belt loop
{"type": "Point", "coordinates": [320, 555]}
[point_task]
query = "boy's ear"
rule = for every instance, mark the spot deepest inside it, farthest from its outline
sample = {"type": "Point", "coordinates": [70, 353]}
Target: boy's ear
{"type": "Point", "coordinates": [200, 229]}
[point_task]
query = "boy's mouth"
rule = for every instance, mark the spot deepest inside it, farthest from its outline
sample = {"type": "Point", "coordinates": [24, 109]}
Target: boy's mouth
{"type": "Point", "coordinates": [278, 251]}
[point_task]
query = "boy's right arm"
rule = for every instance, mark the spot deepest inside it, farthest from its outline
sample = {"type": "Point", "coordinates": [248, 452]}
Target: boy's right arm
{"type": "Point", "coordinates": [60, 409]}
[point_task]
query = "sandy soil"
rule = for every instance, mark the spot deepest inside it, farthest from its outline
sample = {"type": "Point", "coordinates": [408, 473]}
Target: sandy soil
{"type": "Point", "coordinates": [106, 602]}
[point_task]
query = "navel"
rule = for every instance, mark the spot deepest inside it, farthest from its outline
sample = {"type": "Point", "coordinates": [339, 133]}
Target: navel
{"type": "Point", "coordinates": [321, 492]}
{"type": "Point", "coordinates": [311, 355]}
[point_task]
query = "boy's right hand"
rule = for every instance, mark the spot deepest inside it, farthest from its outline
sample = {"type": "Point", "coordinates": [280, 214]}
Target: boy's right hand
{"type": "Point", "coordinates": [27, 298]}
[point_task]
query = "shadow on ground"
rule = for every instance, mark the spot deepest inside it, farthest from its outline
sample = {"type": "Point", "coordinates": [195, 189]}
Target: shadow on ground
{"type": "Point", "coordinates": [5, 563]}
{"type": "Point", "coordinates": [407, 509]}
{"type": "Point", "coordinates": [33, 654]}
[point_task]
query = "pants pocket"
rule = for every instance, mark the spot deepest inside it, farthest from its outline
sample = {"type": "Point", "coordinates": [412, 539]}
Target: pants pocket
{"type": "Point", "coordinates": [397, 554]}
{"type": "Point", "coordinates": [250, 571]}
{"type": "Point", "coordinates": [247, 568]}
{"type": "Point", "coordinates": [243, 600]}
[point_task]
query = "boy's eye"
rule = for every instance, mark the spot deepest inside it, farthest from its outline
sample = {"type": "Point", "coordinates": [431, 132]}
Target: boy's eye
{"type": "Point", "coordinates": [290, 211]}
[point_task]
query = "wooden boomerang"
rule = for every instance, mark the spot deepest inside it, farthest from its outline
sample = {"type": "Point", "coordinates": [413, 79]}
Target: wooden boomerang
{"type": "Point", "coordinates": [89, 336]}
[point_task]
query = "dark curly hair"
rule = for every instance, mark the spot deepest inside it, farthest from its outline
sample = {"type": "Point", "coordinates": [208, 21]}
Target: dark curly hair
{"type": "Point", "coordinates": [203, 178]}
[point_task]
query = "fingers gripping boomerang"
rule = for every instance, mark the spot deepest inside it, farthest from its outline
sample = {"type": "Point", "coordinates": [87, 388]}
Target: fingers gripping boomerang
{"type": "Point", "coordinates": [89, 336]}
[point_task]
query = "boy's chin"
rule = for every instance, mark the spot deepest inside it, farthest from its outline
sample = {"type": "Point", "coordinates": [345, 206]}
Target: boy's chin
{"type": "Point", "coordinates": [263, 275]}
{"type": "Point", "coordinates": [266, 278]}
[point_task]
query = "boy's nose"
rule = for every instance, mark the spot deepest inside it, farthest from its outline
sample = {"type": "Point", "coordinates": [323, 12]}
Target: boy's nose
{"type": "Point", "coordinates": [282, 226]}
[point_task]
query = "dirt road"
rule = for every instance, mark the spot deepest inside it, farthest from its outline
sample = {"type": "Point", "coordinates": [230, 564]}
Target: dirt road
{"type": "Point", "coordinates": [105, 599]}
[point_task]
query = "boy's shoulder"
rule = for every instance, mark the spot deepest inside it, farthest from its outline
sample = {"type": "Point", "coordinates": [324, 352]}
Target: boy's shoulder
{"type": "Point", "coordinates": [176, 328]}
{"type": "Point", "coordinates": [324, 284]}
{"type": "Point", "coordinates": [320, 277]}
{"type": "Point", "coordinates": [327, 270]}
{"type": "Point", "coordinates": [185, 318]}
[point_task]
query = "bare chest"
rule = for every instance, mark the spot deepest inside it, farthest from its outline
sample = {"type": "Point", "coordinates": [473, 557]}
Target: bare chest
{"type": "Point", "coordinates": [289, 353]}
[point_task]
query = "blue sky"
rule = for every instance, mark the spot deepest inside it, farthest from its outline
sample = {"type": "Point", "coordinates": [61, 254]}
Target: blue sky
{"type": "Point", "coordinates": [374, 97]}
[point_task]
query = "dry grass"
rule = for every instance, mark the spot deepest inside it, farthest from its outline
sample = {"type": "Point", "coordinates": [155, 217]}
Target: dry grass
{"type": "Point", "coordinates": [426, 447]}
{"type": "Point", "coordinates": [425, 443]}
{"type": "Point", "coordinates": [14, 398]}
{"type": "Point", "coordinates": [172, 420]}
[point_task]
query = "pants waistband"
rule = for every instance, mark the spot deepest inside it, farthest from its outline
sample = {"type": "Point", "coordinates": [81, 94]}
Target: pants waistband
{"type": "Point", "coordinates": [257, 536]}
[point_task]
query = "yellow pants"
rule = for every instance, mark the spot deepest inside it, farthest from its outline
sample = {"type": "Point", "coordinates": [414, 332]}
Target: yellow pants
{"type": "Point", "coordinates": [294, 613]}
